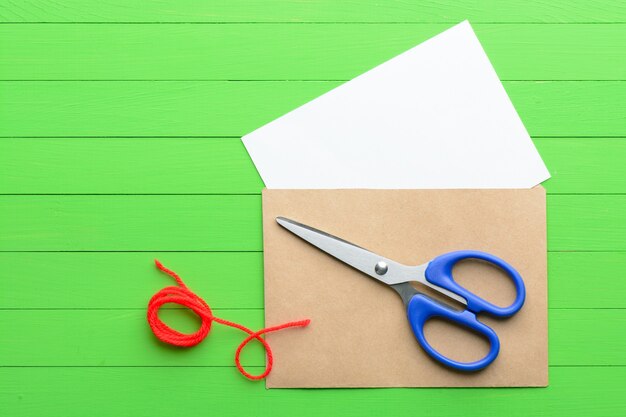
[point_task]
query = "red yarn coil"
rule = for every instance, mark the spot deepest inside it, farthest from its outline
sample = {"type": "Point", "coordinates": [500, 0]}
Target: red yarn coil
{"type": "Point", "coordinates": [183, 296]}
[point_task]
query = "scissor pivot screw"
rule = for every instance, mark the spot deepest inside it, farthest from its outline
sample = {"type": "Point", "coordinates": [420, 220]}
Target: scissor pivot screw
{"type": "Point", "coordinates": [381, 268]}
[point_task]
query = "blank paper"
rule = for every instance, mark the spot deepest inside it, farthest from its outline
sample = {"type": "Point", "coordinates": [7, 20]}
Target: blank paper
{"type": "Point", "coordinates": [436, 116]}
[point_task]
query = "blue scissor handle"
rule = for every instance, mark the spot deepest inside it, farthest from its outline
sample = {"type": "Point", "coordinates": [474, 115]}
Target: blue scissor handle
{"type": "Point", "coordinates": [421, 308]}
{"type": "Point", "coordinates": [439, 272]}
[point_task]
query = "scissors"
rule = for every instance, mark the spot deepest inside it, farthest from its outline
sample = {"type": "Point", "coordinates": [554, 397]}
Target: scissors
{"type": "Point", "coordinates": [437, 275]}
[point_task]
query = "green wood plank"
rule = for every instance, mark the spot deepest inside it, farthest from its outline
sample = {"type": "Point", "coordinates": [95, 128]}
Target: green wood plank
{"type": "Point", "coordinates": [600, 332]}
{"type": "Point", "coordinates": [573, 279]}
{"type": "Point", "coordinates": [595, 222]}
{"type": "Point", "coordinates": [584, 165]}
{"type": "Point", "coordinates": [123, 338]}
{"type": "Point", "coordinates": [218, 108]}
{"type": "Point", "coordinates": [172, 392]}
{"type": "Point", "coordinates": [122, 223]}
{"type": "Point", "coordinates": [293, 52]}
{"type": "Point", "coordinates": [233, 223]}
{"type": "Point", "coordinates": [148, 108]}
{"type": "Point", "coordinates": [222, 165]}
{"type": "Point", "coordinates": [312, 11]}
{"type": "Point", "coordinates": [127, 166]}
{"type": "Point", "coordinates": [92, 280]}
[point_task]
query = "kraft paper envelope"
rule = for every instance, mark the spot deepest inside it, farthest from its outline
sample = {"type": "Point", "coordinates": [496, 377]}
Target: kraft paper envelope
{"type": "Point", "coordinates": [359, 335]}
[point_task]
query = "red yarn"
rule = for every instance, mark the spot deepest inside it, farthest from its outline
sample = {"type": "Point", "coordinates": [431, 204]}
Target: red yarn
{"type": "Point", "coordinates": [182, 295]}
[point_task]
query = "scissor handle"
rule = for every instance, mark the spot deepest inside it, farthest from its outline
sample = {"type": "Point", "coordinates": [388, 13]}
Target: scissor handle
{"type": "Point", "coordinates": [439, 272]}
{"type": "Point", "coordinates": [421, 308]}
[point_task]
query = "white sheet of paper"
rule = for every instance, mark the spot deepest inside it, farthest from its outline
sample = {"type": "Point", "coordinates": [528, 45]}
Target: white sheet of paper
{"type": "Point", "coordinates": [435, 116]}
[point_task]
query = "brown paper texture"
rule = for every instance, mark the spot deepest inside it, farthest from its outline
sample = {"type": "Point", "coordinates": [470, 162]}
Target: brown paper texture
{"type": "Point", "coordinates": [359, 335]}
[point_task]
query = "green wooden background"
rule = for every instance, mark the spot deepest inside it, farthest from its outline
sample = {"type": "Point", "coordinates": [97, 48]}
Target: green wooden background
{"type": "Point", "coordinates": [120, 123]}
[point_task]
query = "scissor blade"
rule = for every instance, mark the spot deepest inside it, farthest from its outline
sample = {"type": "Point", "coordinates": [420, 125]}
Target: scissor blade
{"type": "Point", "coordinates": [362, 259]}
{"type": "Point", "coordinates": [349, 253]}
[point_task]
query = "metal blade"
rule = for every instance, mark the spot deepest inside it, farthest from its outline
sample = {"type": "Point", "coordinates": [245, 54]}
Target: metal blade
{"type": "Point", "coordinates": [378, 267]}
